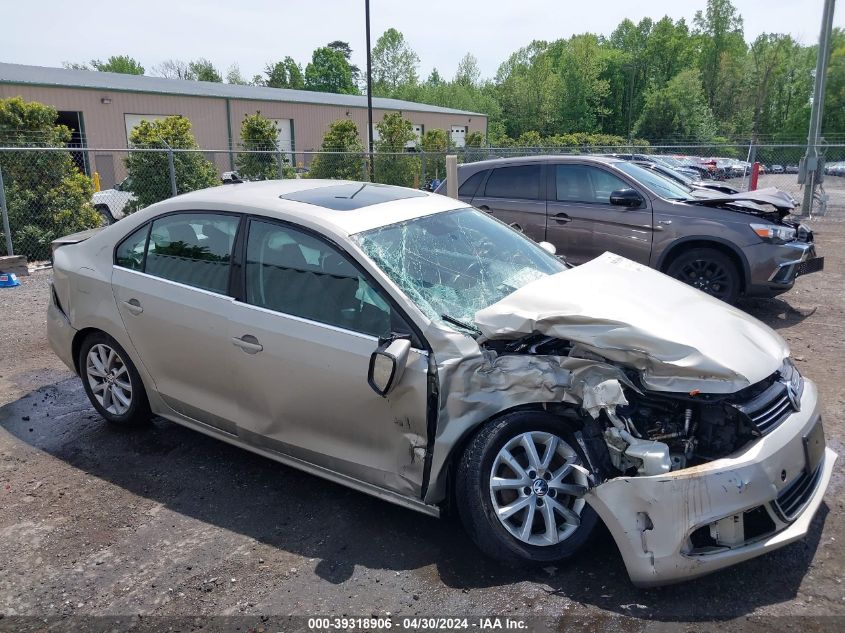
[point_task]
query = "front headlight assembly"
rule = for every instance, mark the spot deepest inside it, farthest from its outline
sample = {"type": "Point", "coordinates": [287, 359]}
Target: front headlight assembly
{"type": "Point", "coordinates": [774, 233]}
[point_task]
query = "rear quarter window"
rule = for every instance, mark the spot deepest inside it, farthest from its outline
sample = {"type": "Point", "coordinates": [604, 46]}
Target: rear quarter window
{"type": "Point", "coordinates": [130, 252]}
{"type": "Point", "coordinates": [471, 184]}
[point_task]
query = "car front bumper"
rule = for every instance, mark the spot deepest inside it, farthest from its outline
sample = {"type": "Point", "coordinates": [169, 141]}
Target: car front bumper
{"type": "Point", "coordinates": [653, 518]}
{"type": "Point", "coordinates": [774, 268]}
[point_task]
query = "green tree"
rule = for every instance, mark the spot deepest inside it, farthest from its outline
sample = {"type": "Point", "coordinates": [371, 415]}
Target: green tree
{"type": "Point", "coordinates": [528, 90]}
{"type": "Point", "coordinates": [719, 29]}
{"type": "Point", "coordinates": [468, 73]}
{"type": "Point", "coordinates": [46, 195]}
{"type": "Point", "coordinates": [234, 76]}
{"type": "Point", "coordinates": [342, 153]}
{"type": "Point", "coordinates": [118, 64]}
{"type": "Point", "coordinates": [203, 70]}
{"type": "Point", "coordinates": [149, 172]}
{"type": "Point", "coordinates": [344, 49]}
{"type": "Point", "coordinates": [394, 63]}
{"type": "Point", "coordinates": [677, 111]}
{"type": "Point", "coordinates": [392, 165]}
{"type": "Point", "coordinates": [262, 159]}
{"type": "Point", "coordinates": [284, 74]}
{"type": "Point", "coordinates": [329, 71]}
{"type": "Point", "coordinates": [580, 64]}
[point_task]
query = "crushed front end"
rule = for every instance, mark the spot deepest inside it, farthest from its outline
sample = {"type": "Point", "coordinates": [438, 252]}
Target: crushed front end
{"type": "Point", "coordinates": [707, 448]}
{"type": "Point", "coordinates": [695, 519]}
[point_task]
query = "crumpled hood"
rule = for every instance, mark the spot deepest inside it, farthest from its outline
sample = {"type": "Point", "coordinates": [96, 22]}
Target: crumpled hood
{"type": "Point", "coordinates": [679, 338]}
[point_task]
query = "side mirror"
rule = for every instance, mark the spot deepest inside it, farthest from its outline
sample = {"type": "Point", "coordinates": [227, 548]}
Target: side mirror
{"type": "Point", "coordinates": [387, 364]}
{"type": "Point", "coordinates": [550, 248]}
{"type": "Point", "coordinates": [626, 198]}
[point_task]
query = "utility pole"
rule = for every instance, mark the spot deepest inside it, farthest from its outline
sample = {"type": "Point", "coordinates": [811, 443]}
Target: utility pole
{"type": "Point", "coordinates": [808, 174]}
{"type": "Point", "coordinates": [369, 92]}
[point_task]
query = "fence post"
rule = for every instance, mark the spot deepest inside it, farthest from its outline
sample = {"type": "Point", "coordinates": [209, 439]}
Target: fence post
{"type": "Point", "coordinates": [172, 167]}
{"type": "Point", "coordinates": [6, 230]}
{"type": "Point", "coordinates": [452, 176]}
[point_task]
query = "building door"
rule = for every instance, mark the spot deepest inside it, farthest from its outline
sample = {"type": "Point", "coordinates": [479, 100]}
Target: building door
{"type": "Point", "coordinates": [73, 120]}
{"type": "Point", "coordinates": [459, 135]}
{"type": "Point", "coordinates": [418, 132]}
{"type": "Point", "coordinates": [285, 136]}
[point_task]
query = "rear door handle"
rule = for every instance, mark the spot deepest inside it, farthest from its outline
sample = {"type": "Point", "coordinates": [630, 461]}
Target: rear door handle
{"type": "Point", "coordinates": [134, 306]}
{"type": "Point", "coordinates": [562, 218]}
{"type": "Point", "coordinates": [248, 343]}
{"type": "Point", "coordinates": [485, 208]}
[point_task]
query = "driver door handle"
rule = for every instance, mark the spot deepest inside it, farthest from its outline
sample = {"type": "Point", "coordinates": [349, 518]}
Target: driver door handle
{"type": "Point", "coordinates": [134, 306]}
{"type": "Point", "coordinates": [485, 208]}
{"type": "Point", "coordinates": [247, 343]}
{"type": "Point", "coordinates": [561, 218]}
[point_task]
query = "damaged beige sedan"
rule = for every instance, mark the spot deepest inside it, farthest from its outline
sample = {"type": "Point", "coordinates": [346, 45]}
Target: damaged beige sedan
{"type": "Point", "coordinates": [412, 348]}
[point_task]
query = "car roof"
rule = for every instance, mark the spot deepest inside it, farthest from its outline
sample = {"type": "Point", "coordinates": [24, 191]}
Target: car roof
{"type": "Point", "coordinates": [522, 160]}
{"type": "Point", "coordinates": [340, 206]}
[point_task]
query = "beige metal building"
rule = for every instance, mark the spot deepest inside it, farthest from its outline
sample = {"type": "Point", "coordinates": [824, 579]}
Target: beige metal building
{"type": "Point", "coordinates": [101, 108]}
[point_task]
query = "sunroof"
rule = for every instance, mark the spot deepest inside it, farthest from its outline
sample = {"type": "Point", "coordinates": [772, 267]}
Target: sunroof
{"type": "Point", "coordinates": [351, 196]}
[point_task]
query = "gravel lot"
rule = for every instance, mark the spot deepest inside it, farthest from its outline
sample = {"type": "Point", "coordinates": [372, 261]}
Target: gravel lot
{"type": "Point", "coordinates": [96, 521]}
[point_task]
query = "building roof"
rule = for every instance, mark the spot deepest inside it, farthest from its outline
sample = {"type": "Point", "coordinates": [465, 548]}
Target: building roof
{"type": "Point", "coordinates": [20, 74]}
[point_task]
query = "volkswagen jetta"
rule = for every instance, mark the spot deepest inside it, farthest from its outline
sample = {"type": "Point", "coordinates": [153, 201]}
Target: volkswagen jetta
{"type": "Point", "coordinates": [424, 352]}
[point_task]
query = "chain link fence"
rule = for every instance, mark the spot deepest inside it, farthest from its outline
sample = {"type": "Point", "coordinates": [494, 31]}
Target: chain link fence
{"type": "Point", "coordinates": [50, 192]}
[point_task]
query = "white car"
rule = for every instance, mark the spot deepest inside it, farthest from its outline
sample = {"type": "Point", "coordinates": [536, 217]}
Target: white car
{"type": "Point", "coordinates": [111, 203]}
{"type": "Point", "coordinates": [419, 350]}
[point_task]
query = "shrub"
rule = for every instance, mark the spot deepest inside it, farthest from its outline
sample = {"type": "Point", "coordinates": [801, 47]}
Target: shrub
{"type": "Point", "coordinates": [436, 142]}
{"type": "Point", "coordinates": [260, 134]}
{"type": "Point", "coordinates": [149, 172]}
{"type": "Point", "coordinates": [342, 136]}
{"type": "Point", "coordinates": [46, 194]}
{"type": "Point", "coordinates": [392, 165]}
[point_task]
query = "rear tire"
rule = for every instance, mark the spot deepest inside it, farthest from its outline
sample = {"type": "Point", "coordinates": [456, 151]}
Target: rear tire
{"type": "Point", "coordinates": [497, 473]}
{"type": "Point", "coordinates": [709, 270]}
{"type": "Point", "coordinates": [111, 381]}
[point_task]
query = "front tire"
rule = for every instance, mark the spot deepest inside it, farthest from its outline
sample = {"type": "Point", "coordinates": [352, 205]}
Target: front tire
{"type": "Point", "coordinates": [519, 490]}
{"type": "Point", "coordinates": [710, 271]}
{"type": "Point", "coordinates": [111, 381]}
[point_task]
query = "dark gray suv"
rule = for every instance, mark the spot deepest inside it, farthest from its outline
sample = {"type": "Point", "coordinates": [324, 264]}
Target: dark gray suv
{"type": "Point", "coordinates": [732, 245]}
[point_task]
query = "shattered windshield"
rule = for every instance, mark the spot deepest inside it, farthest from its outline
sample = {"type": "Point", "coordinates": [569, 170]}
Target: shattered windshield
{"type": "Point", "coordinates": [455, 263]}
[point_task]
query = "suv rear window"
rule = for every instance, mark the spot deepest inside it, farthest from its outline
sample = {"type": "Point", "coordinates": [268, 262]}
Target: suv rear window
{"type": "Point", "coordinates": [514, 182]}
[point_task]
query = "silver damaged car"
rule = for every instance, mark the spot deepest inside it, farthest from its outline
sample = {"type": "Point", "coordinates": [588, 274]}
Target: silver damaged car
{"type": "Point", "coordinates": [419, 350]}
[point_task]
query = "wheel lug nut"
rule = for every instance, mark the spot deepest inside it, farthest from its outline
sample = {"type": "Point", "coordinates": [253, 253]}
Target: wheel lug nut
{"type": "Point", "coordinates": [539, 503]}
{"type": "Point", "coordinates": [532, 474]}
{"type": "Point", "coordinates": [553, 493]}
{"type": "Point", "coordinates": [527, 490]}
{"type": "Point", "coordinates": [547, 476]}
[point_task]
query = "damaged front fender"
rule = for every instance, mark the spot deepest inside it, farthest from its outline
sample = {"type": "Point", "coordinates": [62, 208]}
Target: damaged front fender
{"type": "Point", "coordinates": [477, 384]}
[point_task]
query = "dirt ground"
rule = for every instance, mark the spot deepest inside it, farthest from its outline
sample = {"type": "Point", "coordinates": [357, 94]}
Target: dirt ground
{"type": "Point", "coordinates": [96, 521]}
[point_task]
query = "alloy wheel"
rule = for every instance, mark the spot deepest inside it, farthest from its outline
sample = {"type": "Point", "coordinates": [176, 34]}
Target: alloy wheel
{"type": "Point", "coordinates": [708, 276]}
{"type": "Point", "coordinates": [536, 486]}
{"type": "Point", "coordinates": [108, 377]}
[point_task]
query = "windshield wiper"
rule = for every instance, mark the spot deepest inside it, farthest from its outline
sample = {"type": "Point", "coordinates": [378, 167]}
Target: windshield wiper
{"type": "Point", "coordinates": [454, 321]}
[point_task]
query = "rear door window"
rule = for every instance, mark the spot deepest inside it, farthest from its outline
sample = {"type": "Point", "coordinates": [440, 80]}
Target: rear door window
{"type": "Point", "coordinates": [193, 248]}
{"type": "Point", "coordinates": [518, 182]}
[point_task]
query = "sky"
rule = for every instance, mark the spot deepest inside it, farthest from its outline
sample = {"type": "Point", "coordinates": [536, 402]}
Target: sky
{"type": "Point", "coordinates": [254, 32]}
